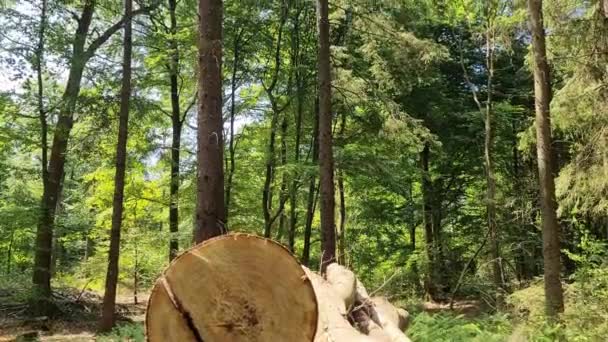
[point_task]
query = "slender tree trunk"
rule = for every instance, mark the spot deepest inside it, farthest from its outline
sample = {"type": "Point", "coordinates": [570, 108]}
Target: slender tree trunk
{"type": "Point", "coordinates": [210, 211]}
{"type": "Point", "coordinates": [136, 274]}
{"type": "Point", "coordinates": [276, 111]}
{"type": "Point", "coordinates": [326, 159]}
{"type": "Point", "coordinates": [44, 233]}
{"type": "Point", "coordinates": [410, 216]}
{"type": "Point", "coordinates": [293, 194]}
{"type": "Point", "coordinates": [266, 192]}
{"type": "Point", "coordinates": [489, 159]}
{"type": "Point", "coordinates": [312, 191]}
{"type": "Point", "coordinates": [283, 195]}
{"type": "Point", "coordinates": [40, 96]}
{"type": "Point", "coordinates": [9, 253]}
{"type": "Point", "coordinates": [109, 298]}
{"type": "Point", "coordinates": [341, 236]}
{"type": "Point", "coordinates": [554, 297]}
{"type": "Point", "coordinates": [342, 227]}
{"type": "Point", "coordinates": [429, 234]}
{"type": "Point", "coordinates": [231, 142]}
{"type": "Point", "coordinates": [176, 123]}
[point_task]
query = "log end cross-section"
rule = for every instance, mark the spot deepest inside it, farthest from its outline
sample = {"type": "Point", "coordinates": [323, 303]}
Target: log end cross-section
{"type": "Point", "coordinates": [233, 288]}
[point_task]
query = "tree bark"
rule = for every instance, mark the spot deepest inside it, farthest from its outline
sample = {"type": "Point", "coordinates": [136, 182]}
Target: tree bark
{"type": "Point", "coordinates": [109, 299]}
{"type": "Point", "coordinates": [554, 297]}
{"type": "Point", "coordinates": [326, 160]}
{"type": "Point", "coordinates": [176, 124]}
{"type": "Point", "coordinates": [210, 211]}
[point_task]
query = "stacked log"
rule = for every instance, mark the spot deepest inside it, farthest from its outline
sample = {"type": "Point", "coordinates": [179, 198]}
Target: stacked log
{"type": "Point", "coordinates": [241, 287]}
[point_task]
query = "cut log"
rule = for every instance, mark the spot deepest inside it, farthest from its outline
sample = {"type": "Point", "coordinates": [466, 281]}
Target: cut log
{"type": "Point", "coordinates": [241, 287]}
{"type": "Point", "coordinates": [235, 287]}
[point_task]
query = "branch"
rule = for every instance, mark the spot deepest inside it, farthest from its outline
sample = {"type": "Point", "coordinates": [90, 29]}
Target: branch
{"type": "Point", "coordinates": [190, 105]}
{"type": "Point", "coordinates": [99, 41]}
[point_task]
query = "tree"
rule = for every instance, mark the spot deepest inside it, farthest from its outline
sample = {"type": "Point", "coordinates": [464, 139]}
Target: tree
{"type": "Point", "coordinates": [326, 159]}
{"type": "Point", "coordinates": [81, 54]}
{"type": "Point", "coordinates": [210, 212]}
{"type": "Point", "coordinates": [177, 121]}
{"type": "Point", "coordinates": [554, 296]}
{"type": "Point", "coordinates": [109, 298]}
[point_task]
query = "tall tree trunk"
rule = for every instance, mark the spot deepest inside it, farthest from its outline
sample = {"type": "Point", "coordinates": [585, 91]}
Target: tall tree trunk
{"type": "Point", "coordinates": [293, 195]}
{"type": "Point", "coordinates": [312, 191]}
{"type": "Point", "coordinates": [44, 233]}
{"type": "Point", "coordinates": [266, 192]}
{"type": "Point", "coordinates": [176, 123]}
{"type": "Point", "coordinates": [40, 96]}
{"type": "Point", "coordinates": [489, 158]}
{"type": "Point", "coordinates": [210, 211]}
{"type": "Point", "coordinates": [270, 152]}
{"type": "Point", "coordinates": [410, 215]}
{"type": "Point", "coordinates": [283, 195]}
{"type": "Point", "coordinates": [109, 298]}
{"type": "Point", "coordinates": [326, 159]}
{"type": "Point", "coordinates": [429, 234]}
{"type": "Point", "coordinates": [554, 297]}
{"type": "Point", "coordinates": [231, 142]}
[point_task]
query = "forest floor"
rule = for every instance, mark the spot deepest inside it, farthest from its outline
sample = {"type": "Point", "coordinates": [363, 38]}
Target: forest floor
{"type": "Point", "coordinates": [79, 317]}
{"type": "Point", "coordinates": [77, 322]}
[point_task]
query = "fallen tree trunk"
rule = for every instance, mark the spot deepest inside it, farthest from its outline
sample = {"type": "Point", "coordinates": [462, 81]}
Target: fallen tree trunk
{"type": "Point", "coordinates": [242, 287]}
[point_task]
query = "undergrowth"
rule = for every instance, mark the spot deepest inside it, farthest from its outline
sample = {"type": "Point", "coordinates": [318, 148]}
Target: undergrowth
{"type": "Point", "coordinates": [456, 328]}
{"type": "Point", "coordinates": [128, 332]}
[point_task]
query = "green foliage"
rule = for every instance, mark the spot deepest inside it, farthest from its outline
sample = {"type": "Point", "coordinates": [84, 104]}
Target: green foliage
{"type": "Point", "coordinates": [455, 328]}
{"type": "Point", "coordinates": [586, 299]}
{"type": "Point", "coordinates": [129, 332]}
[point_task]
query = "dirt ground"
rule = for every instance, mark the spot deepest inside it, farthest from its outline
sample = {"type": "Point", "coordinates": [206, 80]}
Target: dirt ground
{"type": "Point", "coordinates": [76, 326]}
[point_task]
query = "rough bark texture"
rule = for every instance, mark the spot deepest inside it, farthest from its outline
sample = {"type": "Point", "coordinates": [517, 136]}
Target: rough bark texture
{"type": "Point", "coordinates": [176, 124]}
{"type": "Point", "coordinates": [554, 298]}
{"type": "Point", "coordinates": [109, 298]}
{"type": "Point", "coordinates": [210, 211]}
{"type": "Point", "coordinates": [326, 159]}
{"type": "Point", "coordinates": [241, 298]}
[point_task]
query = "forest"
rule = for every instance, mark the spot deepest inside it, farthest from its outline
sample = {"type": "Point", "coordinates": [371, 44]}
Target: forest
{"type": "Point", "coordinates": [452, 153]}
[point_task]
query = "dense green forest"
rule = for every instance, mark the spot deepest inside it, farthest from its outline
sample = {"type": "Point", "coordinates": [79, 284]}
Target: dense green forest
{"type": "Point", "coordinates": [452, 153]}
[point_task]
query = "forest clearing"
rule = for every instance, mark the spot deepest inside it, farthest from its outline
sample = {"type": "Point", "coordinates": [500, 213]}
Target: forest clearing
{"type": "Point", "coordinates": [299, 170]}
